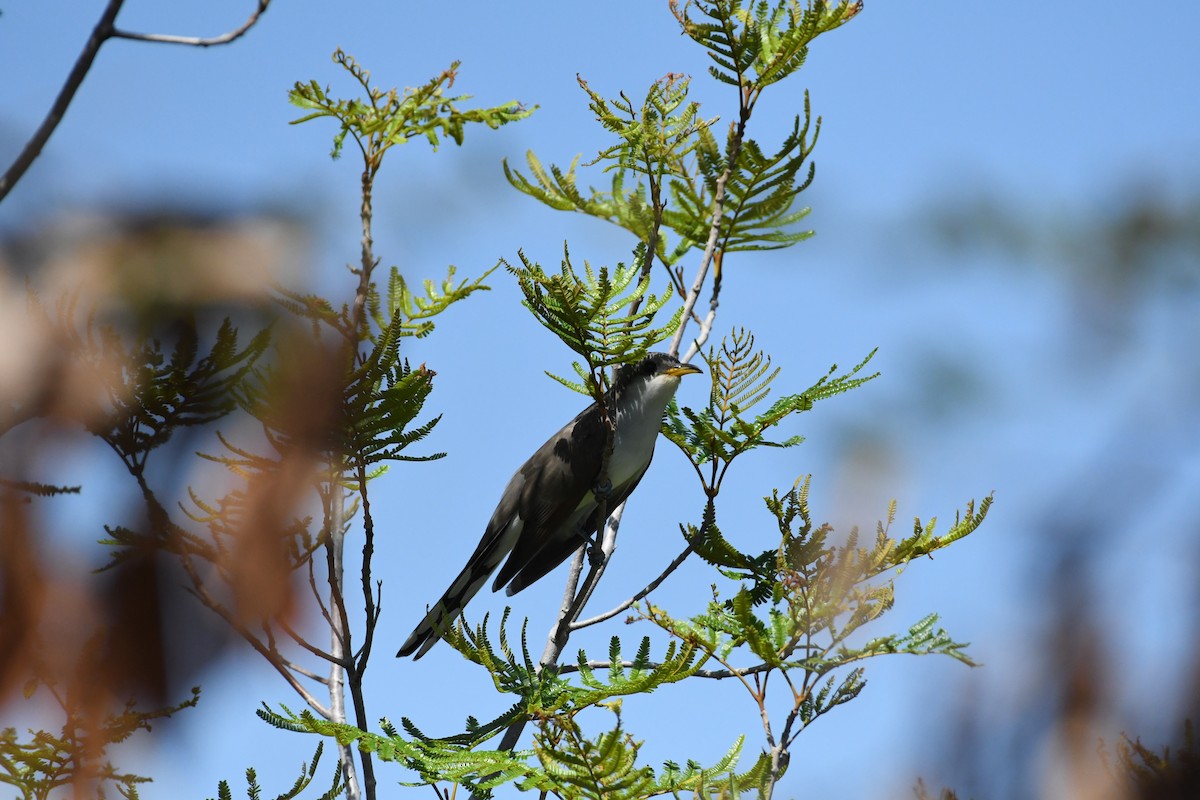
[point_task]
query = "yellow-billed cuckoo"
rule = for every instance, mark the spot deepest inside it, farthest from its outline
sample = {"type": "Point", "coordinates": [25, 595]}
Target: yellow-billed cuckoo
{"type": "Point", "coordinates": [548, 510]}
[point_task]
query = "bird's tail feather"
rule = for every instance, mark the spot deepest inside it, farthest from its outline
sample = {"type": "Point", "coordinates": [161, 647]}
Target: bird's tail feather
{"type": "Point", "coordinates": [441, 616]}
{"type": "Point", "coordinates": [440, 619]}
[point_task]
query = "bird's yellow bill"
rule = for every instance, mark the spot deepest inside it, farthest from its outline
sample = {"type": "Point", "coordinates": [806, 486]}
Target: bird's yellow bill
{"type": "Point", "coordinates": [684, 369]}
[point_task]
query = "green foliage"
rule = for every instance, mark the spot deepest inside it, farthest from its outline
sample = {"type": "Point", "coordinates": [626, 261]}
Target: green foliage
{"type": "Point", "coordinates": [151, 390]}
{"type": "Point", "coordinates": [758, 190]}
{"type": "Point", "coordinates": [727, 197]}
{"type": "Point", "coordinates": [382, 394]}
{"type": "Point", "coordinates": [653, 142]}
{"type": "Point", "coordinates": [400, 312]}
{"type": "Point", "coordinates": [545, 695]}
{"type": "Point", "coordinates": [800, 604]}
{"type": "Point", "coordinates": [753, 45]}
{"type": "Point", "coordinates": [382, 398]}
{"type": "Point", "coordinates": [433, 760]}
{"type": "Point", "coordinates": [411, 314]}
{"type": "Point", "coordinates": [307, 772]}
{"type": "Point", "coordinates": [386, 118]}
{"type": "Point", "coordinates": [141, 391]}
{"type": "Point", "coordinates": [741, 377]}
{"type": "Point", "coordinates": [604, 317]}
{"type": "Point", "coordinates": [545, 692]}
{"type": "Point", "coordinates": [46, 762]}
{"type": "Point", "coordinates": [668, 145]}
{"type": "Point", "coordinates": [605, 767]}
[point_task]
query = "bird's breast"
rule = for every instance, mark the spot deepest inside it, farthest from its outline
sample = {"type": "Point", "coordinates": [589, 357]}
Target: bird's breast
{"type": "Point", "coordinates": [633, 445]}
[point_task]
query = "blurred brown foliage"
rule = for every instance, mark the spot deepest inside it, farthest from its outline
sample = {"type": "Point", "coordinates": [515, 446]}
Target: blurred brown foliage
{"type": "Point", "coordinates": [84, 303]}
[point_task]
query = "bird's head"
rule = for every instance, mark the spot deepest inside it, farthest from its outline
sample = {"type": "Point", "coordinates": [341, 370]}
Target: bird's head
{"type": "Point", "coordinates": [657, 371]}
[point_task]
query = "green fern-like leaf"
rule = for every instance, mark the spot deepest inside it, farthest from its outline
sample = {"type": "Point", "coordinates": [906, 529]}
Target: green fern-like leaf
{"type": "Point", "coordinates": [590, 313]}
{"type": "Point", "coordinates": [383, 118]}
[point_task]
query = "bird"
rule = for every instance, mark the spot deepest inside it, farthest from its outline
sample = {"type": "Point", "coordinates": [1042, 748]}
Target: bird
{"type": "Point", "coordinates": [548, 509]}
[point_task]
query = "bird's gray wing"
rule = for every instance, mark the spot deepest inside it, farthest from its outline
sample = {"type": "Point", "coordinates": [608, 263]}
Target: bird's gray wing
{"type": "Point", "coordinates": [558, 478]}
{"type": "Point", "coordinates": [524, 514]}
{"type": "Point", "coordinates": [559, 547]}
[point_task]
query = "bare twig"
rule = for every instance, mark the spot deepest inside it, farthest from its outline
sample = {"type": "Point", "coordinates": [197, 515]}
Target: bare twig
{"type": "Point", "coordinates": [102, 32]}
{"type": "Point", "coordinates": [706, 260]}
{"type": "Point", "coordinates": [293, 666]}
{"type": "Point", "coordinates": [316, 651]}
{"type": "Point", "coordinates": [715, 674]}
{"type": "Point", "coordinates": [196, 41]}
{"type": "Point", "coordinates": [312, 584]}
{"type": "Point", "coordinates": [300, 670]}
{"type": "Point", "coordinates": [650, 587]}
{"type": "Point", "coordinates": [368, 552]}
{"type": "Point", "coordinates": [208, 601]}
{"type": "Point", "coordinates": [66, 94]}
{"type": "Point", "coordinates": [714, 301]}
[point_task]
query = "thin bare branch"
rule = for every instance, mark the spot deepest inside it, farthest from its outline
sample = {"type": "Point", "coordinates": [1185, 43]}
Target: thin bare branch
{"type": "Point", "coordinates": [693, 294]}
{"type": "Point", "coordinates": [368, 552]}
{"type": "Point", "coordinates": [312, 583]}
{"type": "Point", "coordinates": [104, 30]}
{"type": "Point", "coordinates": [33, 148]}
{"type": "Point", "coordinates": [716, 674]}
{"type": "Point", "coordinates": [272, 656]}
{"type": "Point", "coordinates": [713, 303]}
{"type": "Point", "coordinates": [196, 41]}
{"type": "Point", "coordinates": [650, 587]}
{"type": "Point", "coordinates": [307, 673]}
{"type": "Point", "coordinates": [316, 651]}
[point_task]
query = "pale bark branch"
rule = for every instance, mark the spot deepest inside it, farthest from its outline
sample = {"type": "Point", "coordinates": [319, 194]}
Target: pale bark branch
{"type": "Point", "coordinates": [196, 41]}
{"type": "Point", "coordinates": [650, 587]}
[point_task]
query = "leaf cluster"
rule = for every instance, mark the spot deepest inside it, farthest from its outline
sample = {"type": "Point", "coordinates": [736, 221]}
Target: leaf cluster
{"type": "Point", "coordinates": [545, 695]}
{"type": "Point", "coordinates": [374, 398]}
{"type": "Point", "coordinates": [605, 767]}
{"type": "Point", "coordinates": [607, 318]}
{"type": "Point", "coordinates": [544, 691]}
{"type": "Point", "coordinates": [753, 45]}
{"type": "Point", "coordinates": [45, 762]}
{"type": "Point", "coordinates": [383, 118]}
{"type": "Point", "coordinates": [799, 605]}
{"type": "Point", "coordinates": [144, 389]}
{"type": "Point", "coordinates": [654, 142]}
{"type": "Point", "coordinates": [758, 189]}
{"type": "Point", "coordinates": [307, 772]}
{"type": "Point", "coordinates": [433, 760]}
{"type": "Point", "coordinates": [741, 378]}
{"type": "Point", "coordinates": [1145, 772]}
{"type": "Point", "coordinates": [668, 168]}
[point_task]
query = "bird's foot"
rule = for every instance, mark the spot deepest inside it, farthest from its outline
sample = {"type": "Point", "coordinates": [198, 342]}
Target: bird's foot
{"type": "Point", "coordinates": [595, 553]}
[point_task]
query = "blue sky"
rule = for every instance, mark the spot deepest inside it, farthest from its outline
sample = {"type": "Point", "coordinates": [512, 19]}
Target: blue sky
{"type": "Point", "coordinates": [1061, 110]}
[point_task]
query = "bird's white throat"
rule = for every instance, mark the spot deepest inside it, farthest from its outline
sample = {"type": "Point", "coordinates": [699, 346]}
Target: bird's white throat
{"type": "Point", "coordinates": [639, 417]}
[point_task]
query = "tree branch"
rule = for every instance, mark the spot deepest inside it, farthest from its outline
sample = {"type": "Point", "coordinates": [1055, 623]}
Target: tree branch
{"type": "Point", "coordinates": [716, 674]}
{"type": "Point", "coordinates": [196, 41]}
{"type": "Point", "coordinates": [650, 587]}
{"type": "Point", "coordinates": [33, 148]}
{"type": "Point", "coordinates": [102, 32]}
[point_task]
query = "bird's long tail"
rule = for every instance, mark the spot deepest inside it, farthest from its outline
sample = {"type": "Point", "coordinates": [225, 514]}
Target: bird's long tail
{"type": "Point", "coordinates": [445, 611]}
{"type": "Point", "coordinates": [440, 619]}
